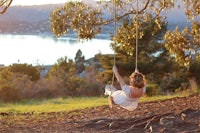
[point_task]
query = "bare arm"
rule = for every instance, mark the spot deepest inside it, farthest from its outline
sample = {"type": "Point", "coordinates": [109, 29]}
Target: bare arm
{"type": "Point", "coordinates": [119, 78]}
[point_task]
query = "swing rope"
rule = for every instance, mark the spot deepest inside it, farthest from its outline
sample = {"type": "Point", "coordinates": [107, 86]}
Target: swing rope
{"type": "Point", "coordinates": [115, 32]}
{"type": "Point", "coordinates": [136, 42]}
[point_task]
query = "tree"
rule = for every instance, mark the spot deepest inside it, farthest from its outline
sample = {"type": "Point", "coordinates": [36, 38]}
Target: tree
{"type": "Point", "coordinates": [13, 85]}
{"type": "Point", "coordinates": [79, 57]}
{"type": "Point", "coordinates": [184, 45]}
{"type": "Point", "coordinates": [79, 60]}
{"type": "Point", "coordinates": [64, 68]}
{"type": "Point", "coordinates": [192, 8]}
{"type": "Point", "coordinates": [193, 74]}
{"type": "Point", "coordinates": [194, 70]}
{"type": "Point", "coordinates": [88, 21]}
{"type": "Point", "coordinates": [4, 4]}
{"type": "Point", "coordinates": [63, 72]}
{"type": "Point", "coordinates": [32, 72]}
{"type": "Point", "coordinates": [106, 62]}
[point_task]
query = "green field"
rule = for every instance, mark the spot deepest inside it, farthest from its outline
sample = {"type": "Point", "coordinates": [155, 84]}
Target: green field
{"type": "Point", "coordinates": [65, 104]}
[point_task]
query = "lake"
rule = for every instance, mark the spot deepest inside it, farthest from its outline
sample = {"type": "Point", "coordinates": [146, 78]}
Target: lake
{"type": "Point", "coordinates": [45, 50]}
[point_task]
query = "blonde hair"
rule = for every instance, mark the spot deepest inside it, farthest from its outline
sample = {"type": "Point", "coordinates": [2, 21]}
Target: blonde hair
{"type": "Point", "coordinates": [137, 80]}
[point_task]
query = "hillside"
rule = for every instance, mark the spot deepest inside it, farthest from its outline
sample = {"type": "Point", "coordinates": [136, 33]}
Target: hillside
{"type": "Point", "coordinates": [34, 20]}
{"type": "Point", "coordinates": [26, 20]}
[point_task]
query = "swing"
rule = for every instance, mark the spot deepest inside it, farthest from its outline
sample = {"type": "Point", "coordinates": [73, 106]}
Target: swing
{"type": "Point", "coordinates": [125, 97]}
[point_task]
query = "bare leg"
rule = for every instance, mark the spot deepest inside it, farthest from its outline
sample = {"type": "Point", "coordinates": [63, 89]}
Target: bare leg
{"type": "Point", "coordinates": [110, 101]}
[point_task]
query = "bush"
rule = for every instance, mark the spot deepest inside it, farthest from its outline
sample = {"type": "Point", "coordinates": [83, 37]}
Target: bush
{"type": "Point", "coordinates": [152, 90]}
{"type": "Point", "coordinates": [9, 94]}
{"type": "Point", "coordinates": [172, 81]}
{"type": "Point", "coordinates": [194, 71]}
{"type": "Point", "coordinates": [32, 72]}
{"type": "Point", "coordinates": [54, 87]}
{"type": "Point", "coordinates": [89, 89]}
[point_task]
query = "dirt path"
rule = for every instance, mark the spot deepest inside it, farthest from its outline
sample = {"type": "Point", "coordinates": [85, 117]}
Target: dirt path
{"type": "Point", "coordinates": [168, 116]}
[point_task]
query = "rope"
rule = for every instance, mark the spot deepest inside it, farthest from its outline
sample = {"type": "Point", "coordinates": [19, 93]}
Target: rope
{"type": "Point", "coordinates": [115, 32]}
{"type": "Point", "coordinates": [136, 47]}
{"type": "Point", "coordinates": [136, 43]}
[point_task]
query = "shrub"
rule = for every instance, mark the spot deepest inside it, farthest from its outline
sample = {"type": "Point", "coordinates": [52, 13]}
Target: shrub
{"type": "Point", "coordinates": [32, 72]}
{"type": "Point", "coordinates": [172, 81]}
{"type": "Point", "coordinates": [9, 94]}
{"type": "Point", "coordinates": [152, 90]}
{"type": "Point", "coordinates": [89, 89]}
{"type": "Point", "coordinates": [194, 72]}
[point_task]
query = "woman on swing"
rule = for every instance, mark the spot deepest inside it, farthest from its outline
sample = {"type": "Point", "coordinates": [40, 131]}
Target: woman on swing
{"type": "Point", "coordinates": [129, 95]}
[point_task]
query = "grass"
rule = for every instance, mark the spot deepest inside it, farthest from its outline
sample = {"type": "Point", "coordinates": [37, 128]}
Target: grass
{"type": "Point", "coordinates": [162, 97]}
{"type": "Point", "coordinates": [65, 104]}
{"type": "Point", "coordinates": [53, 105]}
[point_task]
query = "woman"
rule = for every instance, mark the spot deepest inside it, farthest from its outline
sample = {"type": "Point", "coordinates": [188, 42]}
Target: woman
{"type": "Point", "coordinates": [129, 95]}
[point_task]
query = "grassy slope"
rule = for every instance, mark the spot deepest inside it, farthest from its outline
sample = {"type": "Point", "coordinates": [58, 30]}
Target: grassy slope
{"type": "Point", "coordinates": [64, 104]}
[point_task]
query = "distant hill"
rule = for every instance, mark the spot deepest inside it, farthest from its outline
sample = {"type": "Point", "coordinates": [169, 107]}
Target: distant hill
{"type": "Point", "coordinates": [34, 20]}
{"type": "Point", "coordinates": [26, 19]}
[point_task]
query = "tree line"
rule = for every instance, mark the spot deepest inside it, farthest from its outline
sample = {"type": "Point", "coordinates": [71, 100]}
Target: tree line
{"type": "Point", "coordinates": [80, 77]}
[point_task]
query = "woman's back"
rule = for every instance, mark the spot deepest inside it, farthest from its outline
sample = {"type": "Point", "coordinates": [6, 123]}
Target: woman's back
{"type": "Point", "coordinates": [136, 92]}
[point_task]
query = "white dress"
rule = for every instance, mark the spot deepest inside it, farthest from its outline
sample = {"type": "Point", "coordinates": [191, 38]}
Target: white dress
{"type": "Point", "coordinates": [121, 97]}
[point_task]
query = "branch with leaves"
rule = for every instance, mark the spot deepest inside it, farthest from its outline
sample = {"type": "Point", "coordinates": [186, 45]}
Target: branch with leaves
{"type": "Point", "coordinates": [4, 4]}
{"type": "Point", "coordinates": [184, 45]}
{"type": "Point", "coordinates": [87, 21]}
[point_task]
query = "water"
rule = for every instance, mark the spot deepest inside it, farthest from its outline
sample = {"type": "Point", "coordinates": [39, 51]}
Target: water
{"type": "Point", "coordinates": [45, 50]}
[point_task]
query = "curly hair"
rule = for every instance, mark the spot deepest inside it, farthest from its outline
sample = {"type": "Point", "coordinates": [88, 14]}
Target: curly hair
{"type": "Point", "coordinates": [137, 80]}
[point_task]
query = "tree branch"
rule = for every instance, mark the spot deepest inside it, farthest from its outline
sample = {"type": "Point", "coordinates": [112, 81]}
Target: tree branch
{"type": "Point", "coordinates": [126, 14]}
{"type": "Point", "coordinates": [5, 7]}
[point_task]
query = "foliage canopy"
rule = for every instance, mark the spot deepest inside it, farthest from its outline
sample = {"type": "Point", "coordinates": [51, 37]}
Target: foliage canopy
{"type": "Point", "coordinates": [88, 21]}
